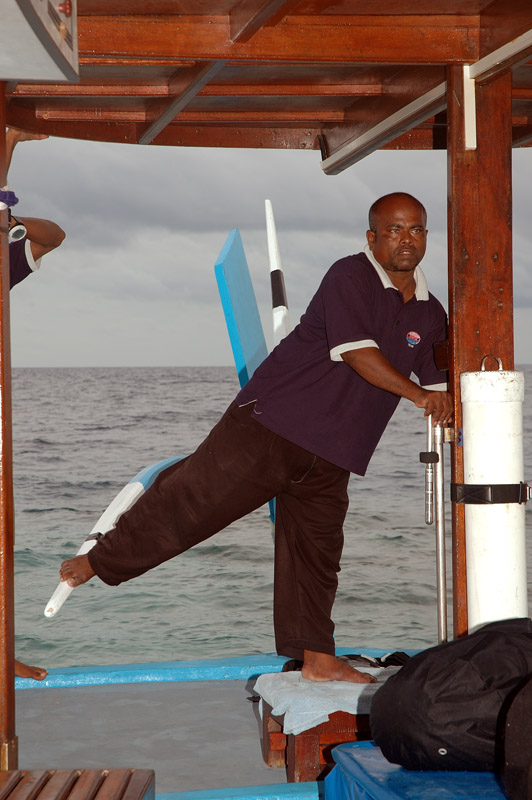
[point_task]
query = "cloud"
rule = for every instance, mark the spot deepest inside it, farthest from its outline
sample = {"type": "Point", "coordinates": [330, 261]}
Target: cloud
{"type": "Point", "coordinates": [133, 283]}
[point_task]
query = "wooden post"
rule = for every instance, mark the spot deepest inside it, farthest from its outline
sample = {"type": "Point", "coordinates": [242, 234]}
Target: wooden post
{"type": "Point", "coordinates": [480, 262]}
{"type": "Point", "coordinates": [8, 739]}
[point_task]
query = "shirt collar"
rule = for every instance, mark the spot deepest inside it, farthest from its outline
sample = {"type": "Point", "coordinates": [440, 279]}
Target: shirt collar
{"type": "Point", "coordinates": [422, 291]}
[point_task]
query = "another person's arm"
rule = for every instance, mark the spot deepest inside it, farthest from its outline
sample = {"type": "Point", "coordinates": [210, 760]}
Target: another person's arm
{"type": "Point", "coordinates": [43, 235]}
{"type": "Point", "coordinates": [375, 368]}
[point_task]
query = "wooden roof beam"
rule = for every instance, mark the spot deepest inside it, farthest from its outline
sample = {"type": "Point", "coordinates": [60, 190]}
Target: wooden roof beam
{"type": "Point", "coordinates": [184, 88]}
{"type": "Point", "coordinates": [416, 39]}
{"type": "Point", "coordinates": [161, 89]}
{"type": "Point", "coordinates": [230, 117]}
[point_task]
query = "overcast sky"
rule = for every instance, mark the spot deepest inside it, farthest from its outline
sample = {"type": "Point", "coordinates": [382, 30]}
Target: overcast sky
{"type": "Point", "coordinates": [133, 283]}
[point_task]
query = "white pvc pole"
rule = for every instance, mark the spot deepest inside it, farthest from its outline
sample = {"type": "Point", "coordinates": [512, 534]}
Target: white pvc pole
{"type": "Point", "coordinates": [281, 318]}
{"type": "Point", "coordinates": [495, 533]}
{"type": "Point", "coordinates": [439, 504]}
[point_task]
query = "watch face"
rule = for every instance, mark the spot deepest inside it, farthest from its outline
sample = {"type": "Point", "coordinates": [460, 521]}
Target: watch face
{"type": "Point", "coordinates": [17, 232]}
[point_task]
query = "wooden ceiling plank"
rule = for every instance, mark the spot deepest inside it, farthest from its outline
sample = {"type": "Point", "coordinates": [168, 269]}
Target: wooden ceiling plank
{"type": "Point", "coordinates": [210, 90]}
{"type": "Point", "coordinates": [247, 18]}
{"type": "Point", "coordinates": [386, 130]}
{"type": "Point", "coordinates": [232, 117]}
{"type": "Point", "coordinates": [406, 39]}
{"type": "Point", "coordinates": [59, 90]}
{"type": "Point", "coordinates": [292, 90]}
{"type": "Point", "coordinates": [185, 89]}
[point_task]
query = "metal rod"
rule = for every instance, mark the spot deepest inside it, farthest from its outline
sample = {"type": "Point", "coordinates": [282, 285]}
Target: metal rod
{"type": "Point", "coordinates": [441, 571]}
{"type": "Point", "coordinates": [429, 476]}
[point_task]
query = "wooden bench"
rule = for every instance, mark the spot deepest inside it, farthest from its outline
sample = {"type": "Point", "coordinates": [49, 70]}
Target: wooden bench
{"type": "Point", "coordinates": [307, 755]}
{"type": "Point", "coordinates": [77, 784]}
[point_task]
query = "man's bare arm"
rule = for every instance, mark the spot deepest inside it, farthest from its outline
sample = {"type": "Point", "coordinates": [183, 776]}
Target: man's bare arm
{"type": "Point", "coordinates": [371, 365]}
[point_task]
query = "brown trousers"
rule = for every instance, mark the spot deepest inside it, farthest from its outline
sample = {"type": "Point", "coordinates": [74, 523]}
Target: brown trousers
{"type": "Point", "coordinates": [239, 467]}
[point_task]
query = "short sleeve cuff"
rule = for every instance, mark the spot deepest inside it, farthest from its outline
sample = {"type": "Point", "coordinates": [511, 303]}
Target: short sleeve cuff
{"type": "Point", "coordinates": [436, 387]}
{"type": "Point", "coordinates": [336, 352]}
{"type": "Point", "coordinates": [32, 264]}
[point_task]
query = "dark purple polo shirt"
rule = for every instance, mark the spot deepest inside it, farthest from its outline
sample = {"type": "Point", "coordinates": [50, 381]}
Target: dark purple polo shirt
{"type": "Point", "coordinates": [21, 262]}
{"type": "Point", "coordinates": [306, 393]}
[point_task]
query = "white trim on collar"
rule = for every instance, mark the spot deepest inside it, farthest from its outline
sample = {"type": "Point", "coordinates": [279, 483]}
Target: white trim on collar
{"type": "Point", "coordinates": [422, 290]}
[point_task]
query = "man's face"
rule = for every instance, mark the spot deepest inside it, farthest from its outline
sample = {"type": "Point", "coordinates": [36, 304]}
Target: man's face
{"type": "Point", "coordinates": [400, 236]}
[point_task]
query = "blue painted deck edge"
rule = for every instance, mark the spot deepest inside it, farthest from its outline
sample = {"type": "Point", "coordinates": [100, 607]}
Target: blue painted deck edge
{"type": "Point", "coordinates": [282, 791]}
{"type": "Point", "coordinates": [216, 669]}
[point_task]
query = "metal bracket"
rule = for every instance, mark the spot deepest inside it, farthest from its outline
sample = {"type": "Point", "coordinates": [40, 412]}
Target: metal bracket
{"type": "Point", "coordinates": [470, 111]}
{"type": "Point", "coordinates": [490, 493]}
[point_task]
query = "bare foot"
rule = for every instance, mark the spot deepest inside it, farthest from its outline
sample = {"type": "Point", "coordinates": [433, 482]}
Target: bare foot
{"type": "Point", "coordinates": [322, 667]}
{"type": "Point", "coordinates": [25, 671]}
{"type": "Point", "coordinates": [76, 571]}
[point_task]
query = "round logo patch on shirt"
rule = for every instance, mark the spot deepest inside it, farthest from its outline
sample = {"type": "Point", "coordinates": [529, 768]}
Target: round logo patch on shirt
{"type": "Point", "coordinates": [413, 338]}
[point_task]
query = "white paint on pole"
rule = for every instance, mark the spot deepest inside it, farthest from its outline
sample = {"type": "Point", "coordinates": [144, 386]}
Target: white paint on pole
{"type": "Point", "coordinates": [492, 404]}
{"type": "Point", "coordinates": [281, 319]}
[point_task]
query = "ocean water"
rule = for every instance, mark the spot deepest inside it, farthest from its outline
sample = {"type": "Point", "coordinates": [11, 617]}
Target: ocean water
{"type": "Point", "coordinates": [80, 434]}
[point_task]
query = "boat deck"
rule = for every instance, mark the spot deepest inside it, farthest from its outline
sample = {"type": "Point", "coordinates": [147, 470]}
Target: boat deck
{"type": "Point", "coordinates": [194, 734]}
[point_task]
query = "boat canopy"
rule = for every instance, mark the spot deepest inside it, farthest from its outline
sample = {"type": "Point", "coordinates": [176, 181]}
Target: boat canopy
{"type": "Point", "coordinates": [344, 78]}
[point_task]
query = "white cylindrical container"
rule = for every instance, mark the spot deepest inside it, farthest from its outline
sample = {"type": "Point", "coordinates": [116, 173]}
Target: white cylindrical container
{"type": "Point", "coordinates": [492, 408]}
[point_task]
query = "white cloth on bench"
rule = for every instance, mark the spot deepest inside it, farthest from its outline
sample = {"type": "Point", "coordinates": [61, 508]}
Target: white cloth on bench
{"type": "Point", "coordinates": [306, 704]}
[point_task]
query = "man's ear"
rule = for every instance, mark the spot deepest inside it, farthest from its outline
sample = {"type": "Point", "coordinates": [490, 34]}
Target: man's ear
{"type": "Point", "coordinates": [370, 236]}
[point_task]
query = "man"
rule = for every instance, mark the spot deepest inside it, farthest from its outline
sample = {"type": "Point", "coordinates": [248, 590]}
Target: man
{"type": "Point", "coordinates": [312, 412]}
{"type": "Point", "coordinates": [25, 255]}
{"type": "Point", "coordinates": [42, 235]}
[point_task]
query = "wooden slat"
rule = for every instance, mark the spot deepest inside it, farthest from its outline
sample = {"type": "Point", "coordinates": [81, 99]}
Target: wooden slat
{"type": "Point", "coordinates": [141, 785]}
{"type": "Point", "coordinates": [88, 784]}
{"type": "Point", "coordinates": [8, 782]}
{"type": "Point", "coordinates": [59, 785]}
{"type": "Point", "coordinates": [78, 784]}
{"type": "Point", "coordinates": [30, 785]}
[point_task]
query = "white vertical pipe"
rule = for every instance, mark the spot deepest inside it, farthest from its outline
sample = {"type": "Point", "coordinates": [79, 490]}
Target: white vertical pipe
{"type": "Point", "coordinates": [441, 566]}
{"type": "Point", "coordinates": [495, 533]}
{"type": "Point", "coordinates": [429, 475]}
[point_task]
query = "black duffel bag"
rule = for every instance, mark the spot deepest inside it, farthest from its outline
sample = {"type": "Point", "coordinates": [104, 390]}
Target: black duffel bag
{"type": "Point", "coordinates": [445, 709]}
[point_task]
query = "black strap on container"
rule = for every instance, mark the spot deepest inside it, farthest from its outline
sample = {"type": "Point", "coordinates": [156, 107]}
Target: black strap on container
{"type": "Point", "coordinates": [489, 493]}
